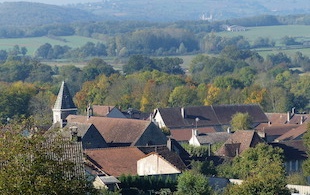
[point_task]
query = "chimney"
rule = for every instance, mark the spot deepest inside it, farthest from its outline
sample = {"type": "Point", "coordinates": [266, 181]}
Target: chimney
{"type": "Point", "coordinates": [183, 112]}
{"type": "Point", "coordinates": [301, 119]}
{"type": "Point", "coordinates": [293, 111]}
{"type": "Point", "coordinates": [169, 144]}
{"type": "Point", "coordinates": [89, 111]}
{"type": "Point", "coordinates": [209, 150]}
{"type": "Point", "coordinates": [109, 110]}
{"type": "Point", "coordinates": [194, 132]}
{"type": "Point", "coordinates": [228, 130]}
{"type": "Point", "coordinates": [288, 117]}
{"type": "Point", "coordinates": [74, 134]}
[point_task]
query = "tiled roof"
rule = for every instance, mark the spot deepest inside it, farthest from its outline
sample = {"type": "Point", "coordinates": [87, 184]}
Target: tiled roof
{"type": "Point", "coordinates": [240, 140]}
{"type": "Point", "coordinates": [208, 115]}
{"type": "Point", "coordinates": [116, 130]}
{"type": "Point", "coordinates": [99, 110]}
{"type": "Point", "coordinates": [277, 118]}
{"type": "Point", "coordinates": [282, 118]}
{"type": "Point", "coordinates": [292, 150]}
{"type": "Point", "coordinates": [64, 99]}
{"type": "Point", "coordinates": [211, 138]}
{"type": "Point", "coordinates": [276, 129]}
{"type": "Point", "coordinates": [225, 112]}
{"type": "Point", "coordinates": [116, 161]}
{"type": "Point", "coordinates": [165, 153]}
{"type": "Point", "coordinates": [293, 134]}
{"type": "Point", "coordinates": [186, 134]}
{"type": "Point", "coordinates": [82, 128]}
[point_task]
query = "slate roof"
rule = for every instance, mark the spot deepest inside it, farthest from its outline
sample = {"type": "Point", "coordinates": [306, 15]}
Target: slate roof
{"type": "Point", "coordinates": [64, 99]}
{"type": "Point", "coordinates": [208, 115]}
{"type": "Point", "coordinates": [116, 130]}
{"type": "Point", "coordinates": [211, 138]}
{"type": "Point", "coordinates": [239, 142]}
{"type": "Point", "coordinates": [294, 134]}
{"type": "Point", "coordinates": [186, 134]}
{"type": "Point", "coordinates": [292, 150]}
{"type": "Point", "coordinates": [116, 161]}
{"type": "Point", "coordinates": [166, 154]}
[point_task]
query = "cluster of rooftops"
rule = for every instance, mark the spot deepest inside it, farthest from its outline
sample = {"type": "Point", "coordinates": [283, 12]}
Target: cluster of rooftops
{"type": "Point", "coordinates": [131, 142]}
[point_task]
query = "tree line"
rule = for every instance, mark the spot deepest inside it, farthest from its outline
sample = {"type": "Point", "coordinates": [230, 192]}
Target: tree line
{"type": "Point", "coordinates": [233, 77]}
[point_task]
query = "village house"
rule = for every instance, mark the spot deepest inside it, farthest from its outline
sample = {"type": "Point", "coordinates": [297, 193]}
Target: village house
{"type": "Point", "coordinates": [119, 132]}
{"type": "Point", "coordinates": [206, 119]}
{"type": "Point", "coordinates": [208, 139]}
{"type": "Point", "coordinates": [132, 161]}
{"type": "Point", "coordinates": [294, 153]}
{"type": "Point", "coordinates": [238, 142]}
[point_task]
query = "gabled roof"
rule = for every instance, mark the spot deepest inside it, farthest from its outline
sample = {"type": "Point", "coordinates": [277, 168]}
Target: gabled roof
{"type": "Point", "coordinates": [82, 128]}
{"type": "Point", "coordinates": [116, 161]}
{"type": "Point", "coordinates": [186, 134]}
{"type": "Point", "coordinates": [64, 99]}
{"type": "Point", "coordinates": [239, 142]}
{"type": "Point", "coordinates": [275, 129]}
{"type": "Point", "coordinates": [116, 130]}
{"type": "Point", "coordinates": [293, 134]}
{"type": "Point", "coordinates": [178, 117]}
{"type": "Point", "coordinates": [292, 150]}
{"type": "Point", "coordinates": [225, 112]}
{"type": "Point", "coordinates": [288, 118]}
{"type": "Point", "coordinates": [166, 154]}
{"type": "Point", "coordinates": [212, 138]}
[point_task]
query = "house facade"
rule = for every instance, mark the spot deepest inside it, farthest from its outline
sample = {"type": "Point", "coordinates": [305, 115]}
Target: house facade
{"type": "Point", "coordinates": [154, 164]}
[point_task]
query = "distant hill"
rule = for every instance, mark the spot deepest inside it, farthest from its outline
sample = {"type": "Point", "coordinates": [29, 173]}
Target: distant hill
{"type": "Point", "coordinates": [34, 14]}
{"type": "Point", "coordinates": [173, 10]}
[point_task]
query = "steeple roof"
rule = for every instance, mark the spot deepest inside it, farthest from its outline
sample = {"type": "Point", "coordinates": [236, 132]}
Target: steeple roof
{"type": "Point", "coordinates": [64, 99]}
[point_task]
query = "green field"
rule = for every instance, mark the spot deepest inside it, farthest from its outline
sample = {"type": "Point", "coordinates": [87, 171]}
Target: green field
{"type": "Point", "coordinates": [275, 33]}
{"type": "Point", "coordinates": [32, 44]}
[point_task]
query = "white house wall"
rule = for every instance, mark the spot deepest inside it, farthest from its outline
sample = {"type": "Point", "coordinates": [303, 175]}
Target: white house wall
{"type": "Point", "coordinates": [154, 164]}
{"type": "Point", "coordinates": [159, 120]}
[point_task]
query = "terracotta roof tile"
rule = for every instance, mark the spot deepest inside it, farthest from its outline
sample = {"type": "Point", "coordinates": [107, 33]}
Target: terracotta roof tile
{"type": "Point", "coordinates": [243, 139]}
{"type": "Point", "coordinates": [277, 129]}
{"type": "Point", "coordinates": [116, 161]}
{"type": "Point", "coordinates": [295, 133]}
{"type": "Point", "coordinates": [115, 130]}
{"type": "Point", "coordinates": [99, 110]}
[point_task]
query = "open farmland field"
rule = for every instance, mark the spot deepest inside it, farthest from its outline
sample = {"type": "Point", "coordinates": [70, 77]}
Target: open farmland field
{"type": "Point", "coordinates": [275, 33]}
{"type": "Point", "coordinates": [32, 44]}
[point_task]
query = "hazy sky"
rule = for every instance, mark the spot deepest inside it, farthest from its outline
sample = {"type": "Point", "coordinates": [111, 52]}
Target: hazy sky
{"type": "Point", "coordinates": [55, 2]}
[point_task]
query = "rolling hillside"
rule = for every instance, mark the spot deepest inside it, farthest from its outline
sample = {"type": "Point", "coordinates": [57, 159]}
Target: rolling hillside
{"type": "Point", "coordinates": [35, 14]}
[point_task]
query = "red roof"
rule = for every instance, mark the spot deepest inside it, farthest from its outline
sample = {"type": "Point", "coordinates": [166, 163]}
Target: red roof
{"type": "Point", "coordinates": [102, 110]}
{"type": "Point", "coordinates": [239, 141]}
{"type": "Point", "coordinates": [116, 161]}
{"type": "Point", "coordinates": [293, 134]}
{"type": "Point", "coordinates": [115, 130]}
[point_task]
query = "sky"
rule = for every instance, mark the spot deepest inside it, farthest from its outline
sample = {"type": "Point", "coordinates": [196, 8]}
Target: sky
{"type": "Point", "coordinates": [54, 2]}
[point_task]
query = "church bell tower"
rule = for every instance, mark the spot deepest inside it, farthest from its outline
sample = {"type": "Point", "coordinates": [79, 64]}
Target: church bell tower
{"type": "Point", "coordinates": [64, 106]}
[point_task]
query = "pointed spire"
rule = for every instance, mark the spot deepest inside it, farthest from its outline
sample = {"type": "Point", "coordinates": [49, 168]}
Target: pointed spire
{"type": "Point", "coordinates": [64, 99]}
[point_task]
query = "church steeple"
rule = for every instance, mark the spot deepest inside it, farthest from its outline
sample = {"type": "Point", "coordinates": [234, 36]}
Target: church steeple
{"type": "Point", "coordinates": [64, 105]}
